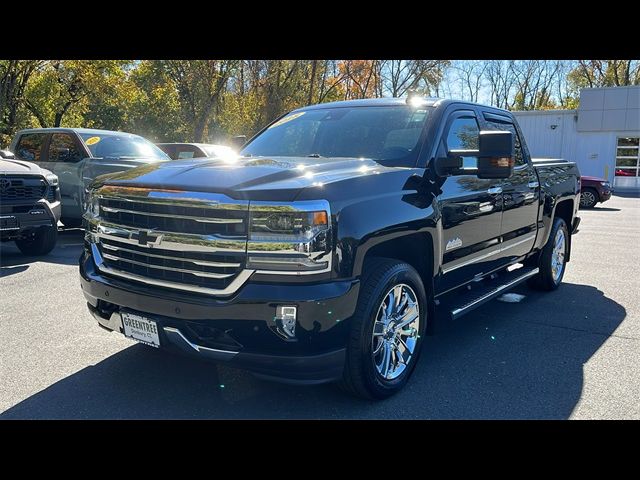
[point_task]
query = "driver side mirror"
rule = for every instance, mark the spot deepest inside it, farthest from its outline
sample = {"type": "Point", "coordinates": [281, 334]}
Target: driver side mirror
{"type": "Point", "coordinates": [6, 154]}
{"type": "Point", "coordinates": [495, 157]}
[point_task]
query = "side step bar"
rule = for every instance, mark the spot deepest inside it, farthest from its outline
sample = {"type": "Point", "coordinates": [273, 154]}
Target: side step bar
{"type": "Point", "coordinates": [484, 296]}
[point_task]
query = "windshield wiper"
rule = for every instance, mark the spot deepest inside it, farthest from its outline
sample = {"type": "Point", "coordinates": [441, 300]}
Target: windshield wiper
{"type": "Point", "coordinates": [315, 155]}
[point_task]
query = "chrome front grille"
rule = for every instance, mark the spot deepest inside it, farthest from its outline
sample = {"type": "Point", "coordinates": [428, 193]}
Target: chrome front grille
{"type": "Point", "coordinates": [178, 240]}
{"type": "Point", "coordinates": [173, 218]}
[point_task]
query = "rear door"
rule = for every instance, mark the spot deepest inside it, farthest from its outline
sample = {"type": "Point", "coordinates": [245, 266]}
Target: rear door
{"type": "Point", "coordinates": [66, 156]}
{"type": "Point", "coordinates": [521, 196]}
{"type": "Point", "coordinates": [471, 209]}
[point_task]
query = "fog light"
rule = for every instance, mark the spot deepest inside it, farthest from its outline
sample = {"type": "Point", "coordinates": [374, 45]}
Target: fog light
{"type": "Point", "coordinates": [287, 315]}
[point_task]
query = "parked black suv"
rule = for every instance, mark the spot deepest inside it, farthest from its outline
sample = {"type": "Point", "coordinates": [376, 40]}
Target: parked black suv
{"type": "Point", "coordinates": [322, 253]}
{"type": "Point", "coordinates": [29, 205]}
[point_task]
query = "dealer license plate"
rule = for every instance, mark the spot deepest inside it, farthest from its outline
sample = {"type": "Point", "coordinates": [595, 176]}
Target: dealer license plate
{"type": "Point", "coordinates": [140, 328]}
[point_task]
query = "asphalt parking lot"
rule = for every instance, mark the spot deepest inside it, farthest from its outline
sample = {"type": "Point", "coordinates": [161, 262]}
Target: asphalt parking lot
{"type": "Point", "coordinates": [573, 353]}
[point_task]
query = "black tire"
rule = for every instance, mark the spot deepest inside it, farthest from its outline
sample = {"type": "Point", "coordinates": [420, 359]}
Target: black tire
{"type": "Point", "coordinates": [589, 197]}
{"type": "Point", "coordinates": [41, 242]}
{"type": "Point", "coordinates": [545, 279]}
{"type": "Point", "coordinates": [71, 222]}
{"type": "Point", "coordinates": [360, 376]}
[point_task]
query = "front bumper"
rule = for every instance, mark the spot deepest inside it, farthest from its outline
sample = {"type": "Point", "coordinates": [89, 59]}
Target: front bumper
{"type": "Point", "coordinates": [242, 330]}
{"type": "Point", "coordinates": [30, 217]}
{"type": "Point", "coordinates": [605, 195]}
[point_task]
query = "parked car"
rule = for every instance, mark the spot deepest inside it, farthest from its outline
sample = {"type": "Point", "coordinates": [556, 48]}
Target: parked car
{"type": "Point", "coordinates": [78, 155]}
{"type": "Point", "coordinates": [594, 190]}
{"type": "Point", "coordinates": [327, 254]}
{"type": "Point", "coordinates": [29, 205]}
{"type": "Point", "coordinates": [179, 151]}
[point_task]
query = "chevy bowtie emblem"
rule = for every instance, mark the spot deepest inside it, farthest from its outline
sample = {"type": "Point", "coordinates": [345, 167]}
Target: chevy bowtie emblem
{"type": "Point", "coordinates": [5, 183]}
{"type": "Point", "coordinates": [146, 238]}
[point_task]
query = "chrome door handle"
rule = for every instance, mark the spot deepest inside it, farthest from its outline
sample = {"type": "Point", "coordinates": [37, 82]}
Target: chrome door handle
{"type": "Point", "coordinates": [494, 190]}
{"type": "Point", "coordinates": [533, 184]}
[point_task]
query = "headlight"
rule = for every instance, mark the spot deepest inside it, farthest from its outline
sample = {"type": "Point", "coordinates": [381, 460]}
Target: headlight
{"type": "Point", "coordinates": [605, 184]}
{"type": "Point", "coordinates": [52, 180]}
{"type": "Point", "coordinates": [289, 238]}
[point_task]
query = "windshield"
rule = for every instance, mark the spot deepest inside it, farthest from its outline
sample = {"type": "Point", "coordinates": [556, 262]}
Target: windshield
{"type": "Point", "coordinates": [388, 134]}
{"type": "Point", "coordinates": [120, 145]}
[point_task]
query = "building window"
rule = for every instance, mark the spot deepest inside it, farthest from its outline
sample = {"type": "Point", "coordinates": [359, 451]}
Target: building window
{"type": "Point", "coordinates": [627, 169]}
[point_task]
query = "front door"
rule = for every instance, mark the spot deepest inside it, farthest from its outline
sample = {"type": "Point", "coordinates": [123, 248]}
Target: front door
{"type": "Point", "coordinates": [471, 210]}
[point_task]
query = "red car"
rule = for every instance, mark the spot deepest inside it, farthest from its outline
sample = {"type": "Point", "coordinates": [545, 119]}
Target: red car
{"type": "Point", "coordinates": [594, 190]}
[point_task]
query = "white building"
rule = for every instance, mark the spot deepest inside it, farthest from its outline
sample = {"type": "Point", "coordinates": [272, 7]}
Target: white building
{"type": "Point", "coordinates": [602, 135]}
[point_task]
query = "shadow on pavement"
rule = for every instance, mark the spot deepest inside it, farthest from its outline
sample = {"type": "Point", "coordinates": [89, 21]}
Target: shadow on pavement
{"type": "Point", "coordinates": [67, 252]}
{"type": "Point", "coordinates": [605, 209]}
{"type": "Point", "coordinates": [502, 361]}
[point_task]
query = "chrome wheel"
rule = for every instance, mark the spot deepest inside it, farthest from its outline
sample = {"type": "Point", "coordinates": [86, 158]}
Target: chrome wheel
{"type": "Point", "coordinates": [587, 198]}
{"type": "Point", "coordinates": [395, 331]}
{"type": "Point", "coordinates": [557, 256]}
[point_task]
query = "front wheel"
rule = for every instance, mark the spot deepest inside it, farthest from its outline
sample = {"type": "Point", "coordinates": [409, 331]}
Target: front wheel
{"type": "Point", "coordinates": [41, 242]}
{"type": "Point", "coordinates": [386, 330]}
{"type": "Point", "coordinates": [552, 258]}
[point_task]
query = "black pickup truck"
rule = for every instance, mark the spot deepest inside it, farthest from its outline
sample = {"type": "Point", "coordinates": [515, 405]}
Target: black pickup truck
{"type": "Point", "coordinates": [324, 251]}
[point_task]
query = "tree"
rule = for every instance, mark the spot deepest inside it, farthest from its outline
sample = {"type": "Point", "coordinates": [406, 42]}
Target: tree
{"type": "Point", "coordinates": [200, 85]}
{"type": "Point", "coordinates": [14, 78]}
{"type": "Point", "coordinates": [605, 73]}
{"type": "Point", "coordinates": [401, 76]}
{"type": "Point", "coordinates": [361, 78]}
{"type": "Point", "coordinates": [469, 74]}
{"type": "Point", "coordinates": [63, 87]}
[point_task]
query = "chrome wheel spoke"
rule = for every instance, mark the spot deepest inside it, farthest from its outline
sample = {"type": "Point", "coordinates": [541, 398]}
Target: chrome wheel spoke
{"type": "Point", "coordinates": [404, 344]}
{"type": "Point", "coordinates": [397, 297]}
{"type": "Point", "coordinates": [386, 360]}
{"type": "Point", "coordinates": [376, 350]}
{"type": "Point", "coordinates": [378, 329]}
{"type": "Point", "coordinates": [410, 315]}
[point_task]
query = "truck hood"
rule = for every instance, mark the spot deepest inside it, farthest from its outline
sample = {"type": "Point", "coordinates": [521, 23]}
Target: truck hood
{"type": "Point", "coordinates": [18, 167]}
{"type": "Point", "coordinates": [256, 178]}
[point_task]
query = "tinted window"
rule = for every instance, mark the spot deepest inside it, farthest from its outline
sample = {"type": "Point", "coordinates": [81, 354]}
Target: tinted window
{"type": "Point", "coordinates": [464, 134]}
{"type": "Point", "coordinates": [387, 134]}
{"type": "Point", "coordinates": [121, 145]}
{"type": "Point", "coordinates": [29, 147]}
{"type": "Point", "coordinates": [63, 148]}
{"type": "Point", "coordinates": [496, 125]}
{"type": "Point", "coordinates": [169, 150]}
{"type": "Point", "coordinates": [188, 151]}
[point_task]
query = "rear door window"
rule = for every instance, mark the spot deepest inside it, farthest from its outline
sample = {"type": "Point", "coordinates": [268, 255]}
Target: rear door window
{"type": "Point", "coordinates": [29, 147]}
{"type": "Point", "coordinates": [188, 151]}
{"type": "Point", "coordinates": [495, 124]}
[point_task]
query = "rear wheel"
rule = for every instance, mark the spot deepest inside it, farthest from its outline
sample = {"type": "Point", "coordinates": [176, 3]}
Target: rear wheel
{"type": "Point", "coordinates": [552, 258]}
{"type": "Point", "coordinates": [386, 330]}
{"type": "Point", "coordinates": [41, 242]}
{"type": "Point", "coordinates": [588, 198]}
